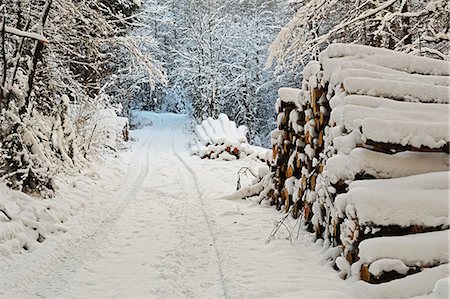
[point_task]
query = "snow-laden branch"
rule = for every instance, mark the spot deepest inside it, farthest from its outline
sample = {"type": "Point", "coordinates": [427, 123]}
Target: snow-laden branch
{"type": "Point", "coordinates": [343, 25]}
{"type": "Point", "coordinates": [28, 34]}
{"type": "Point", "coordinates": [397, 25]}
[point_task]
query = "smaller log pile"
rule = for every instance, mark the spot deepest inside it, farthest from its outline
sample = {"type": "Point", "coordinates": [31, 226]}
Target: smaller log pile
{"type": "Point", "coordinates": [361, 154]}
{"type": "Point", "coordinates": [221, 139]}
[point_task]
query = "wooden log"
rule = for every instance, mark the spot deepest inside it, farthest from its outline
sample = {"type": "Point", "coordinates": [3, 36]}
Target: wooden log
{"type": "Point", "coordinates": [288, 203]}
{"type": "Point", "coordinates": [298, 162]}
{"type": "Point", "coordinates": [389, 148]}
{"type": "Point", "coordinates": [317, 122]}
{"type": "Point", "coordinates": [284, 196]}
{"type": "Point", "coordinates": [375, 231]}
{"type": "Point", "coordinates": [352, 231]}
{"type": "Point", "coordinates": [126, 133]}
{"type": "Point", "coordinates": [296, 211]}
{"type": "Point", "coordinates": [287, 105]}
{"type": "Point", "coordinates": [289, 172]}
{"type": "Point", "coordinates": [365, 274]}
{"type": "Point", "coordinates": [385, 276]}
{"type": "Point", "coordinates": [321, 166]}
{"type": "Point", "coordinates": [350, 257]}
{"type": "Point", "coordinates": [306, 212]}
{"type": "Point", "coordinates": [321, 118]}
{"type": "Point", "coordinates": [274, 152]}
{"type": "Point", "coordinates": [303, 182]}
{"type": "Point", "coordinates": [313, 183]}
{"type": "Point", "coordinates": [320, 140]}
{"type": "Point", "coordinates": [315, 95]}
{"type": "Point", "coordinates": [236, 152]}
{"type": "Point", "coordinates": [335, 234]}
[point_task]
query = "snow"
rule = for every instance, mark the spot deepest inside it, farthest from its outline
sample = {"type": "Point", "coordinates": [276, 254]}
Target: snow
{"type": "Point", "coordinates": [412, 285]}
{"type": "Point", "coordinates": [439, 180]}
{"type": "Point", "coordinates": [380, 165]}
{"type": "Point", "coordinates": [311, 69]}
{"type": "Point", "coordinates": [387, 265]}
{"type": "Point", "coordinates": [229, 129]}
{"type": "Point", "coordinates": [441, 288]}
{"type": "Point", "coordinates": [204, 138]}
{"type": "Point", "coordinates": [215, 137]}
{"type": "Point", "coordinates": [149, 224]}
{"type": "Point", "coordinates": [394, 206]}
{"type": "Point", "coordinates": [336, 69]}
{"type": "Point", "coordinates": [388, 58]}
{"type": "Point", "coordinates": [399, 90]}
{"type": "Point", "coordinates": [137, 2]}
{"type": "Point", "coordinates": [385, 103]}
{"type": "Point", "coordinates": [290, 95]}
{"type": "Point", "coordinates": [110, 126]}
{"type": "Point", "coordinates": [221, 139]}
{"type": "Point", "coordinates": [419, 249]}
{"type": "Point", "coordinates": [351, 116]}
{"type": "Point", "coordinates": [351, 69]}
{"type": "Point", "coordinates": [416, 134]}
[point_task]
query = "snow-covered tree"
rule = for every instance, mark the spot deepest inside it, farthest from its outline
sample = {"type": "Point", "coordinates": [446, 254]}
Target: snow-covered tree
{"type": "Point", "coordinates": [55, 54]}
{"type": "Point", "coordinates": [250, 92]}
{"type": "Point", "coordinates": [215, 52]}
{"type": "Point", "coordinates": [415, 26]}
{"type": "Point", "coordinates": [198, 55]}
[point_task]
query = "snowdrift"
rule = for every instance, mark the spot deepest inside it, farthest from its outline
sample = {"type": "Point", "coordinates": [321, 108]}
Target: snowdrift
{"type": "Point", "coordinates": [361, 155]}
{"type": "Point", "coordinates": [221, 139]}
{"type": "Point", "coordinates": [114, 128]}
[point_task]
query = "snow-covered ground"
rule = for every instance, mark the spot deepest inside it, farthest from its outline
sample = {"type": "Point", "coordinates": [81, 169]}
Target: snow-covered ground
{"type": "Point", "coordinates": [152, 225]}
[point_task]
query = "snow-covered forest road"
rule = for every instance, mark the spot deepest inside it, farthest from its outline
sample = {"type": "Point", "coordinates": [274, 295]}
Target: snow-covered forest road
{"type": "Point", "coordinates": [167, 235]}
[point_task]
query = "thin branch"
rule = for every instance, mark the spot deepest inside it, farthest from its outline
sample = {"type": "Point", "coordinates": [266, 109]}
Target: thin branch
{"type": "Point", "coordinates": [37, 51]}
{"type": "Point", "coordinates": [32, 35]}
{"type": "Point", "coordinates": [3, 63]}
{"type": "Point", "coordinates": [6, 214]}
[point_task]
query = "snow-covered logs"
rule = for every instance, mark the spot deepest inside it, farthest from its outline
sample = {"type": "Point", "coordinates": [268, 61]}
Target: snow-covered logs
{"type": "Point", "coordinates": [221, 139]}
{"type": "Point", "coordinates": [361, 155]}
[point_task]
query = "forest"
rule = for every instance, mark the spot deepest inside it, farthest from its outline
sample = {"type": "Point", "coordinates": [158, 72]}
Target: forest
{"type": "Point", "coordinates": [322, 109]}
{"type": "Point", "coordinates": [197, 57]}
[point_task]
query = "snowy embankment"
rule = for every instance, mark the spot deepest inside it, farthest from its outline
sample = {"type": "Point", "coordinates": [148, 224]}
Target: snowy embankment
{"type": "Point", "coordinates": [150, 225]}
{"type": "Point", "coordinates": [28, 223]}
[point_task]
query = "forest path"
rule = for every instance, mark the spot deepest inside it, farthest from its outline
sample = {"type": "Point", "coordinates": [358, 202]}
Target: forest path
{"type": "Point", "coordinates": [159, 243]}
{"type": "Point", "coordinates": [160, 231]}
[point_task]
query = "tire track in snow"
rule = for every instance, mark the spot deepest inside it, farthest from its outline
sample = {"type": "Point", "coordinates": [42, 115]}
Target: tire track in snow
{"type": "Point", "coordinates": [88, 246]}
{"type": "Point", "coordinates": [51, 284]}
{"type": "Point", "coordinates": [205, 216]}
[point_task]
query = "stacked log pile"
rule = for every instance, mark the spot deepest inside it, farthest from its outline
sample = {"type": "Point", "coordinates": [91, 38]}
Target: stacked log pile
{"type": "Point", "coordinates": [361, 154]}
{"type": "Point", "coordinates": [221, 139]}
